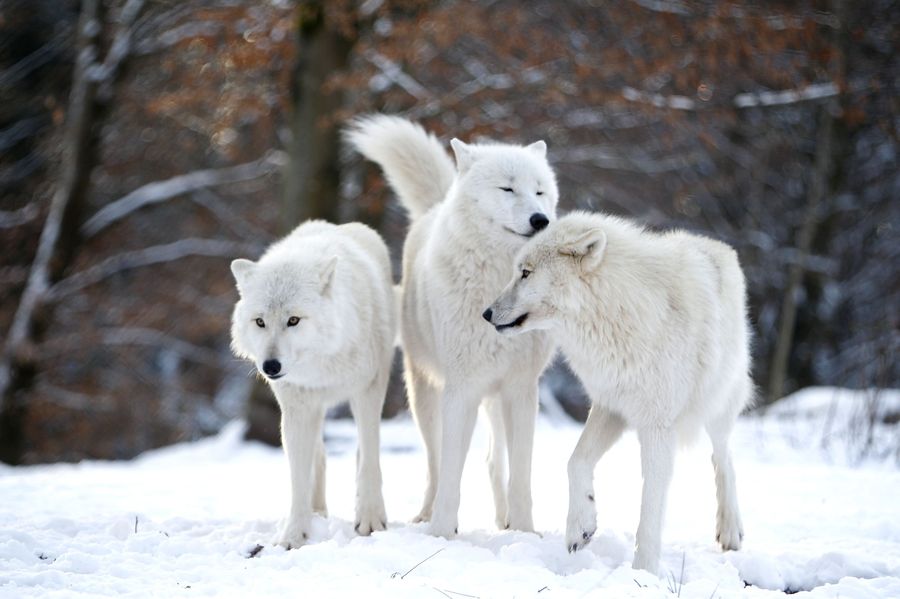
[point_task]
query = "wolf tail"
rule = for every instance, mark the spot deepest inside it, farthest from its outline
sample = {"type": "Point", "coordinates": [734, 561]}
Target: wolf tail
{"type": "Point", "coordinates": [414, 162]}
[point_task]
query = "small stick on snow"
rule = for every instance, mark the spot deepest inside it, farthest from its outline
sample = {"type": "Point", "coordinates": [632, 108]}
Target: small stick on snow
{"type": "Point", "coordinates": [394, 575]}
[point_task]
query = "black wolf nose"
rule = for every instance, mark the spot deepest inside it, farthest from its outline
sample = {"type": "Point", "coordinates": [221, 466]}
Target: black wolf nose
{"type": "Point", "coordinates": [271, 367]}
{"type": "Point", "coordinates": [487, 314]}
{"type": "Point", "coordinates": [538, 221]}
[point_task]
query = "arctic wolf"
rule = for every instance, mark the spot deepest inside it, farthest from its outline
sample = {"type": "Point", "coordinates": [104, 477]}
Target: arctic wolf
{"type": "Point", "coordinates": [316, 316]}
{"type": "Point", "coordinates": [467, 225]}
{"type": "Point", "coordinates": [655, 326]}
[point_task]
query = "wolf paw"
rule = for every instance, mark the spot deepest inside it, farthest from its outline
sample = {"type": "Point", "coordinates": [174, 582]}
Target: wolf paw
{"type": "Point", "coordinates": [729, 532]}
{"type": "Point", "coordinates": [370, 518]}
{"type": "Point", "coordinates": [645, 561]}
{"type": "Point", "coordinates": [442, 529]}
{"type": "Point", "coordinates": [580, 525]}
{"type": "Point", "coordinates": [422, 516]}
{"type": "Point", "coordinates": [294, 534]}
{"type": "Point", "coordinates": [575, 542]}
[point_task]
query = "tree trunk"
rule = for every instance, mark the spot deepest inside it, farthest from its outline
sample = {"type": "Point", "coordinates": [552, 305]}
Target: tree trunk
{"type": "Point", "coordinates": [312, 175]}
{"type": "Point", "coordinates": [58, 239]}
{"type": "Point", "coordinates": [815, 198]}
{"type": "Point", "coordinates": [821, 188]}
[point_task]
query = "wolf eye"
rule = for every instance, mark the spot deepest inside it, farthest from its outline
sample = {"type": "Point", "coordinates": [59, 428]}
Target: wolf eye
{"type": "Point", "coordinates": [292, 321]}
{"type": "Point", "coordinates": [540, 193]}
{"type": "Point", "coordinates": [507, 189]}
{"type": "Point", "coordinates": [525, 273]}
{"type": "Point", "coordinates": [260, 323]}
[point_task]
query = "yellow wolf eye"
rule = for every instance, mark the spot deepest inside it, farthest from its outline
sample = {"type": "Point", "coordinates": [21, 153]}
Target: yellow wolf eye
{"type": "Point", "coordinates": [292, 321]}
{"type": "Point", "coordinates": [525, 273]}
{"type": "Point", "coordinates": [260, 323]}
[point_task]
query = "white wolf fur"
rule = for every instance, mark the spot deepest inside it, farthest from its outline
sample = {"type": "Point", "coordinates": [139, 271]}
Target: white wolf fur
{"type": "Point", "coordinates": [655, 326]}
{"type": "Point", "coordinates": [467, 225]}
{"type": "Point", "coordinates": [337, 281]}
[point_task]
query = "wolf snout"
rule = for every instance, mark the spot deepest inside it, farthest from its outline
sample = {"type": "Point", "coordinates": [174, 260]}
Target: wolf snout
{"type": "Point", "coordinates": [271, 368]}
{"type": "Point", "coordinates": [539, 221]}
{"type": "Point", "coordinates": [487, 314]}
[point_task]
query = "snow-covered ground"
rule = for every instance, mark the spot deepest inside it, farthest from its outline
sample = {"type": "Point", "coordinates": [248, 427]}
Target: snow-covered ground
{"type": "Point", "coordinates": [182, 521]}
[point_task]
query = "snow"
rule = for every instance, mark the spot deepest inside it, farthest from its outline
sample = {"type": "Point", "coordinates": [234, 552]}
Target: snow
{"type": "Point", "coordinates": [821, 515]}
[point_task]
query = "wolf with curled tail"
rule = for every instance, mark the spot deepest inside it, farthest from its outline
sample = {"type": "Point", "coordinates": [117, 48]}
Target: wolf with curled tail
{"type": "Point", "coordinates": [468, 222]}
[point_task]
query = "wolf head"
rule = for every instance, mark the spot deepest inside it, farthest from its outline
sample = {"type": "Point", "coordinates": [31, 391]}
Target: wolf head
{"type": "Point", "coordinates": [508, 187]}
{"type": "Point", "coordinates": [285, 314]}
{"type": "Point", "coordinates": [546, 270]}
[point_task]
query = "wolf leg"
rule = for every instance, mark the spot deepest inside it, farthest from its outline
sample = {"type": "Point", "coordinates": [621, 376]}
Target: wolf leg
{"type": "Point", "coordinates": [366, 407]}
{"type": "Point", "coordinates": [520, 406]}
{"type": "Point", "coordinates": [601, 431]}
{"type": "Point", "coordinates": [319, 504]}
{"type": "Point", "coordinates": [657, 464]}
{"type": "Point", "coordinates": [459, 409]}
{"type": "Point", "coordinates": [496, 460]}
{"type": "Point", "coordinates": [424, 401]}
{"type": "Point", "coordinates": [301, 431]}
{"type": "Point", "coordinates": [729, 529]}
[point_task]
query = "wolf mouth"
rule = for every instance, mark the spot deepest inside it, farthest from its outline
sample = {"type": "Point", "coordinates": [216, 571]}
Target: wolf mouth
{"type": "Point", "coordinates": [525, 235]}
{"type": "Point", "coordinates": [273, 377]}
{"type": "Point", "coordinates": [516, 323]}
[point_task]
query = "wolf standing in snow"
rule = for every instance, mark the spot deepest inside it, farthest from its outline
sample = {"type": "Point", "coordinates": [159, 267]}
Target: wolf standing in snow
{"type": "Point", "coordinates": [467, 225]}
{"type": "Point", "coordinates": [655, 326]}
{"type": "Point", "coordinates": [317, 318]}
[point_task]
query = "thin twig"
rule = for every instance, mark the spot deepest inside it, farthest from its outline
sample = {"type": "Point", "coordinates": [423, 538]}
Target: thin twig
{"type": "Point", "coordinates": [419, 564]}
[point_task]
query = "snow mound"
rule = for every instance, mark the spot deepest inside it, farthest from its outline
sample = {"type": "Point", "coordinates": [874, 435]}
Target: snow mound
{"type": "Point", "coordinates": [194, 520]}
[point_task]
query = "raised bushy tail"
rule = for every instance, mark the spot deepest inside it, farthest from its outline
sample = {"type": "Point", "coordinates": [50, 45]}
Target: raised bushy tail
{"type": "Point", "coordinates": [414, 162]}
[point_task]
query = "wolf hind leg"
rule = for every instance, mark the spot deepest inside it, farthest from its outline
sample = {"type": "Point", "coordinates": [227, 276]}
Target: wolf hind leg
{"type": "Point", "coordinates": [729, 528]}
{"type": "Point", "coordinates": [424, 401]}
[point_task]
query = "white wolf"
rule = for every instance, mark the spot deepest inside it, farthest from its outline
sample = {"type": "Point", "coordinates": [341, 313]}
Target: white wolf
{"type": "Point", "coordinates": [467, 225]}
{"type": "Point", "coordinates": [317, 318]}
{"type": "Point", "coordinates": [655, 326]}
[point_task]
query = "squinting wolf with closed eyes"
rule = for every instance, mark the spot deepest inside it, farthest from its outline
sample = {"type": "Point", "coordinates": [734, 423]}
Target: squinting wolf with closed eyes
{"type": "Point", "coordinates": [468, 222]}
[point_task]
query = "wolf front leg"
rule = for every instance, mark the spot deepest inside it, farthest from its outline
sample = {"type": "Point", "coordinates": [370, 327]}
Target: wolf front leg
{"type": "Point", "coordinates": [657, 464]}
{"type": "Point", "coordinates": [496, 460]}
{"type": "Point", "coordinates": [301, 432]}
{"type": "Point", "coordinates": [520, 406]}
{"type": "Point", "coordinates": [601, 431]}
{"type": "Point", "coordinates": [459, 409]}
{"type": "Point", "coordinates": [366, 407]}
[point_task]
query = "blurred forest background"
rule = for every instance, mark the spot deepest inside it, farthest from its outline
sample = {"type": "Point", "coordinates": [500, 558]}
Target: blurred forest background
{"type": "Point", "coordinates": [145, 143]}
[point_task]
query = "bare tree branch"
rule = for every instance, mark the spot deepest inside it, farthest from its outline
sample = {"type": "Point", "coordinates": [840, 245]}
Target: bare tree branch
{"type": "Point", "coordinates": [160, 191]}
{"type": "Point", "coordinates": [155, 338]}
{"type": "Point", "coordinates": [817, 91]}
{"type": "Point", "coordinates": [77, 139]}
{"type": "Point", "coordinates": [392, 71]}
{"type": "Point", "coordinates": [666, 6]}
{"type": "Point", "coordinates": [105, 73]}
{"type": "Point", "coordinates": [14, 218]}
{"type": "Point", "coordinates": [157, 254]}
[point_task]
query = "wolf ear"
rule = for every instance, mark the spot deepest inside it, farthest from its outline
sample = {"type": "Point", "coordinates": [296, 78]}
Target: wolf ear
{"type": "Point", "coordinates": [587, 249]}
{"type": "Point", "coordinates": [326, 275]}
{"type": "Point", "coordinates": [539, 148]}
{"type": "Point", "coordinates": [241, 269]}
{"type": "Point", "coordinates": [464, 155]}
